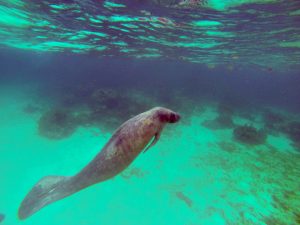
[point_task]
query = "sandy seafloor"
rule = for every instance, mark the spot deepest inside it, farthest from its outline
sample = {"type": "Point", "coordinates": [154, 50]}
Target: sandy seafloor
{"type": "Point", "coordinates": [192, 176]}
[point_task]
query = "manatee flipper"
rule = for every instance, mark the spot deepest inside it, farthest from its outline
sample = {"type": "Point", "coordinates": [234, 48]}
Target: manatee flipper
{"type": "Point", "coordinates": [155, 140]}
{"type": "Point", "coordinates": [49, 189]}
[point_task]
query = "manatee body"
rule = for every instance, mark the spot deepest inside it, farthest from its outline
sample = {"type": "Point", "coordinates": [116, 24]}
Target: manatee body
{"type": "Point", "coordinates": [128, 141]}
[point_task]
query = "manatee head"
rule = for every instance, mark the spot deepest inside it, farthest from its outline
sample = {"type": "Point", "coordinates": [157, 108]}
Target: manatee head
{"type": "Point", "coordinates": [166, 115]}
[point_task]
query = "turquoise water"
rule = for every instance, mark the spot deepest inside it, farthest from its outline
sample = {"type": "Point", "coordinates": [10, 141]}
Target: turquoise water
{"type": "Point", "coordinates": [71, 72]}
{"type": "Point", "coordinates": [193, 175]}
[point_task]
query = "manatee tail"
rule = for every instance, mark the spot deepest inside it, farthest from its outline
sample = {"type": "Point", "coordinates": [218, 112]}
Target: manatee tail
{"type": "Point", "coordinates": [49, 189]}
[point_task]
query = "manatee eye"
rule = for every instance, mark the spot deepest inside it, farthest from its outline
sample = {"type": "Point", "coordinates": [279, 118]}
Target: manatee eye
{"type": "Point", "coordinates": [163, 117]}
{"type": "Point", "coordinates": [174, 117]}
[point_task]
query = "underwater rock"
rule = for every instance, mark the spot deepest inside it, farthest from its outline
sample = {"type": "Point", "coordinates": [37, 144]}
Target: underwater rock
{"type": "Point", "coordinates": [292, 130]}
{"type": "Point", "coordinates": [273, 121]}
{"type": "Point", "coordinates": [225, 109]}
{"type": "Point", "coordinates": [109, 107]}
{"type": "Point", "coordinates": [277, 123]}
{"type": "Point", "coordinates": [248, 115]}
{"type": "Point", "coordinates": [296, 145]}
{"type": "Point", "coordinates": [104, 99]}
{"type": "Point", "coordinates": [101, 107]}
{"type": "Point", "coordinates": [225, 121]}
{"type": "Point", "coordinates": [83, 118]}
{"type": "Point", "coordinates": [56, 124]}
{"type": "Point", "coordinates": [2, 217]}
{"type": "Point", "coordinates": [249, 135]}
{"type": "Point", "coordinates": [113, 116]}
{"type": "Point", "coordinates": [272, 117]}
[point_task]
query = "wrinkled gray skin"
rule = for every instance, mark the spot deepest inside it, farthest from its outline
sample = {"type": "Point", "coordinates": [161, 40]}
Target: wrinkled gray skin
{"type": "Point", "coordinates": [128, 141]}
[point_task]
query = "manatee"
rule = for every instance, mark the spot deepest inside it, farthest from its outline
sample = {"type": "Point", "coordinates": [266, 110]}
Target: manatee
{"type": "Point", "coordinates": [127, 142]}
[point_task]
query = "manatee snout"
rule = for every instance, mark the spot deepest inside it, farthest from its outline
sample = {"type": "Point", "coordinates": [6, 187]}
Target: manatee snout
{"type": "Point", "coordinates": [167, 116]}
{"type": "Point", "coordinates": [174, 117]}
